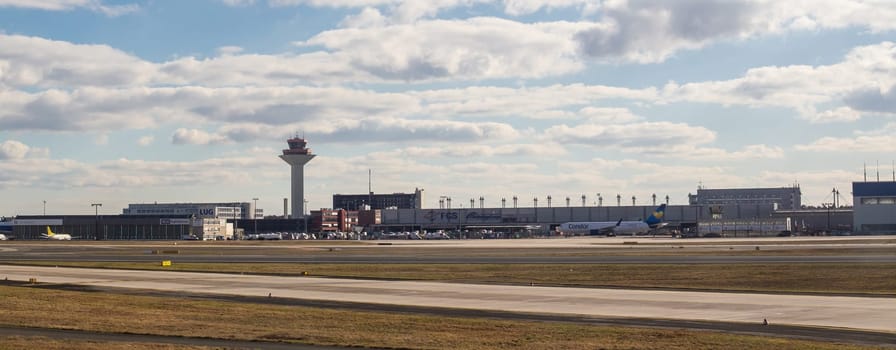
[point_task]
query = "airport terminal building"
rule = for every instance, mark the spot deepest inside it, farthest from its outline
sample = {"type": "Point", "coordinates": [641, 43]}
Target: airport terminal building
{"type": "Point", "coordinates": [379, 201]}
{"type": "Point", "coordinates": [232, 210]}
{"type": "Point", "coordinates": [778, 198]}
{"type": "Point", "coordinates": [539, 221]}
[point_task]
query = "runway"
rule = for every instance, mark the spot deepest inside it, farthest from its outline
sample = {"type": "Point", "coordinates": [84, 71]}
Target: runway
{"type": "Point", "coordinates": [860, 313]}
{"type": "Point", "coordinates": [467, 260]}
{"type": "Point", "coordinates": [641, 250]}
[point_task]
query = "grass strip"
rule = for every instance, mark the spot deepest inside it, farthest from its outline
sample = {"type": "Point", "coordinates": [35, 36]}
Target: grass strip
{"type": "Point", "coordinates": [113, 313]}
{"type": "Point", "coordinates": [20, 342]}
{"type": "Point", "coordinates": [858, 278]}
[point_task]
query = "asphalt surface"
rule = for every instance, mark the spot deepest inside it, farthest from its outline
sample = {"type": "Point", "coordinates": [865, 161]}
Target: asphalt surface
{"type": "Point", "coordinates": [405, 252]}
{"type": "Point", "coordinates": [185, 258]}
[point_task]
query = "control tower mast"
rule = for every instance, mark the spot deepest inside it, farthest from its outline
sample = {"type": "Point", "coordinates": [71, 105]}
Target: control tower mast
{"type": "Point", "coordinates": [297, 155]}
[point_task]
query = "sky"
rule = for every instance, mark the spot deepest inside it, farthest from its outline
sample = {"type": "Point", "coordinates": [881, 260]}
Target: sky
{"type": "Point", "coordinates": [119, 102]}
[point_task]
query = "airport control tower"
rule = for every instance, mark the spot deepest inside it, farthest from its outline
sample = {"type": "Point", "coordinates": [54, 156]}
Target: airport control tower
{"type": "Point", "coordinates": [297, 155]}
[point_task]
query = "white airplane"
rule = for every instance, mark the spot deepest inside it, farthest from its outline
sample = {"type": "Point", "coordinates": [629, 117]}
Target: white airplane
{"type": "Point", "coordinates": [56, 236]}
{"type": "Point", "coordinates": [436, 235]}
{"type": "Point", "coordinates": [612, 228]}
{"type": "Point", "coordinates": [5, 228]}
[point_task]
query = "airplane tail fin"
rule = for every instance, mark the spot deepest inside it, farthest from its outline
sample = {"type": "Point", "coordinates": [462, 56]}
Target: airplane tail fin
{"type": "Point", "coordinates": [657, 216]}
{"type": "Point", "coordinates": [49, 232]}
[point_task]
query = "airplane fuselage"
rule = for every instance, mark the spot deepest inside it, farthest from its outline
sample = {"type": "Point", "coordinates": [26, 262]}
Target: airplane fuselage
{"type": "Point", "coordinates": [60, 237]}
{"type": "Point", "coordinates": [600, 227]}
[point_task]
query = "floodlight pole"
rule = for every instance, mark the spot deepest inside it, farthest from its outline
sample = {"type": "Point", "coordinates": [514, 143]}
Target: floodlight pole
{"type": "Point", "coordinates": [96, 213]}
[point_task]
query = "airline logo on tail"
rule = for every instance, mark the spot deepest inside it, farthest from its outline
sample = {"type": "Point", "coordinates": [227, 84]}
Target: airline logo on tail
{"type": "Point", "coordinates": [657, 217]}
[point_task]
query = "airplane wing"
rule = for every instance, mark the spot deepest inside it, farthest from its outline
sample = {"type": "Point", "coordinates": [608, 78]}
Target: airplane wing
{"type": "Point", "coordinates": [607, 231]}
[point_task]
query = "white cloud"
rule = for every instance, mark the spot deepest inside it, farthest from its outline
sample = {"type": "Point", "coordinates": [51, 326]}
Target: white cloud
{"type": "Point", "coordinates": [878, 140]}
{"type": "Point", "coordinates": [232, 109]}
{"type": "Point", "coordinates": [334, 3]}
{"type": "Point", "coordinates": [659, 139]}
{"type": "Point", "coordinates": [229, 50]}
{"type": "Point", "coordinates": [466, 49]}
{"type": "Point", "coordinates": [815, 185]}
{"type": "Point", "coordinates": [840, 114]}
{"type": "Point", "coordinates": [195, 137]}
{"type": "Point", "coordinates": [369, 17]}
{"type": "Point", "coordinates": [552, 101]}
{"type": "Point", "coordinates": [90, 109]}
{"type": "Point", "coordinates": [67, 5]}
{"type": "Point", "coordinates": [864, 69]}
{"type": "Point", "coordinates": [525, 7]}
{"type": "Point", "coordinates": [746, 153]}
{"type": "Point", "coordinates": [644, 137]}
{"type": "Point", "coordinates": [436, 50]}
{"type": "Point", "coordinates": [399, 130]}
{"type": "Point", "coordinates": [686, 20]}
{"type": "Point", "coordinates": [879, 99]}
{"type": "Point", "coordinates": [145, 140]}
{"type": "Point", "coordinates": [598, 115]}
{"type": "Point", "coordinates": [475, 48]}
{"type": "Point", "coordinates": [97, 109]}
{"type": "Point", "coordinates": [130, 173]}
{"type": "Point", "coordinates": [33, 61]}
{"type": "Point", "coordinates": [635, 176]}
{"type": "Point", "coordinates": [650, 31]}
{"type": "Point", "coordinates": [12, 149]}
{"type": "Point", "coordinates": [465, 150]}
{"type": "Point", "coordinates": [364, 130]}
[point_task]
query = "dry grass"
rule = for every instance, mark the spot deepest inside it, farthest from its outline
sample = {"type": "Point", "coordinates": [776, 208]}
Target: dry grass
{"type": "Point", "coordinates": [19, 342]}
{"type": "Point", "coordinates": [858, 278]}
{"type": "Point", "coordinates": [36, 307]}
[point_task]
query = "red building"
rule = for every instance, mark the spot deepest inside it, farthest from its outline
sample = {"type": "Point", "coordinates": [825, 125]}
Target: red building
{"type": "Point", "coordinates": [340, 220]}
{"type": "Point", "coordinates": [369, 218]}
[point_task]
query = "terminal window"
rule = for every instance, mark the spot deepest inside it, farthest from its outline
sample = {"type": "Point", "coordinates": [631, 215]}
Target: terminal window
{"type": "Point", "coordinates": [879, 200]}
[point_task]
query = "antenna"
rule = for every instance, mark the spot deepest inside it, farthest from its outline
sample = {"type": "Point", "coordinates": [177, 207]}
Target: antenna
{"type": "Point", "coordinates": [878, 171]}
{"type": "Point", "coordinates": [865, 171]}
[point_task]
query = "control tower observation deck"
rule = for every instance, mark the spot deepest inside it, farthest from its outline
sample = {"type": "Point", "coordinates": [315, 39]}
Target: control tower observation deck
{"type": "Point", "coordinates": [297, 155]}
